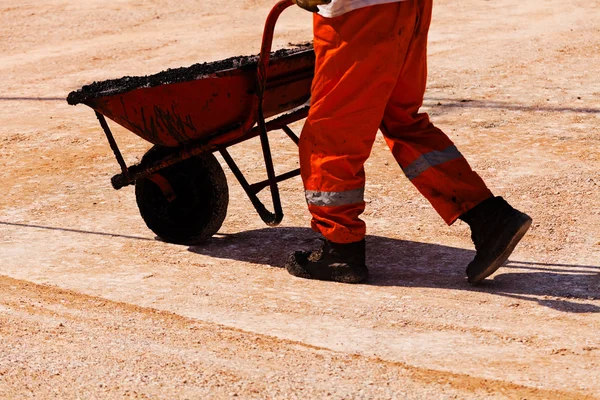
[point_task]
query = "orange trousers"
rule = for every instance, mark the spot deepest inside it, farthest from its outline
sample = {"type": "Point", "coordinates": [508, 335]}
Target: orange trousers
{"type": "Point", "coordinates": [370, 74]}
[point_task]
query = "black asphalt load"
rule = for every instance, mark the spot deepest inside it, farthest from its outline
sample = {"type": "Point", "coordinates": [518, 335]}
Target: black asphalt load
{"type": "Point", "coordinates": [176, 75]}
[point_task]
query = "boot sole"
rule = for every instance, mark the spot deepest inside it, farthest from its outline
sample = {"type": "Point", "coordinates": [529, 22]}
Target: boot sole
{"type": "Point", "coordinates": [502, 257]}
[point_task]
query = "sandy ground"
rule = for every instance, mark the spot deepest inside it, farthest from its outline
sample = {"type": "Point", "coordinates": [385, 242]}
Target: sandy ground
{"type": "Point", "coordinates": [93, 306]}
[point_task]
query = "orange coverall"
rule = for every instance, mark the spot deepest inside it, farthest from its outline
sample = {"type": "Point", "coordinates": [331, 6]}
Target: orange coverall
{"type": "Point", "coordinates": [370, 74]}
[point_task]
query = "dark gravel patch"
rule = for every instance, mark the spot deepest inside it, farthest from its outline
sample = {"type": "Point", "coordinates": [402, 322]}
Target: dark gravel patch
{"type": "Point", "coordinates": [176, 75]}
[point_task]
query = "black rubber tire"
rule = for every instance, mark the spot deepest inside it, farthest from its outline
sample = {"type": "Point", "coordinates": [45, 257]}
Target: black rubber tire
{"type": "Point", "coordinates": [200, 204]}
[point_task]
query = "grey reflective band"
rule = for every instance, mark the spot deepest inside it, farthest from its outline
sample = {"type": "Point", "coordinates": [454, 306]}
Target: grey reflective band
{"type": "Point", "coordinates": [334, 199]}
{"type": "Point", "coordinates": [431, 159]}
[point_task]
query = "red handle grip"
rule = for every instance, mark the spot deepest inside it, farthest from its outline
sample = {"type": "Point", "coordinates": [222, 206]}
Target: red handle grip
{"type": "Point", "coordinates": [267, 43]}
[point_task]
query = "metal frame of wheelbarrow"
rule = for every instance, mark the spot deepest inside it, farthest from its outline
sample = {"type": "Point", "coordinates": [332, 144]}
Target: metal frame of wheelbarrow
{"type": "Point", "coordinates": [245, 131]}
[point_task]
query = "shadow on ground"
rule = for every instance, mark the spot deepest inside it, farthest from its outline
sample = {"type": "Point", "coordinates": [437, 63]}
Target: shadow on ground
{"type": "Point", "coordinates": [17, 98]}
{"type": "Point", "coordinates": [393, 262]}
{"type": "Point", "coordinates": [71, 230]}
{"type": "Point", "coordinates": [502, 105]}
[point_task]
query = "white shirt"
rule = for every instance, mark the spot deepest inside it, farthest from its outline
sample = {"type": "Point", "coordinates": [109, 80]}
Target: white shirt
{"type": "Point", "coordinates": [339, 7]}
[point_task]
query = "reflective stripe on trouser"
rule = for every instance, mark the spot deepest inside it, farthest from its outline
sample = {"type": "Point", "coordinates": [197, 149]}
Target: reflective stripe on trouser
{"type": "Point", "coordinates": [370, 73]}
{"type": "Point", "coordinates": [431, 159]}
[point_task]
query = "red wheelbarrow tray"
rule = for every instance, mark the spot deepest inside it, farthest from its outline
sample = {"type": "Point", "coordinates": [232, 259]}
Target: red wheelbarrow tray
{"type": "Point", "coordinates": [204, 101]}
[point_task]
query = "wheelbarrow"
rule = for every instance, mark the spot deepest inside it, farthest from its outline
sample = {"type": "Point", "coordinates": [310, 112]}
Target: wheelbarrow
{"type": "Point", "coordinates": [191, 113]}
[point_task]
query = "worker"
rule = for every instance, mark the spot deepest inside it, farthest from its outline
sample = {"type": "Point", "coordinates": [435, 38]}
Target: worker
{"type": "Point", "coordinates": [370, 74]}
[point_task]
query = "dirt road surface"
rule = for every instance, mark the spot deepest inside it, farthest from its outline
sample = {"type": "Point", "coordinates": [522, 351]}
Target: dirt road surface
{"type": "Point", "coordinates": [93, 306]}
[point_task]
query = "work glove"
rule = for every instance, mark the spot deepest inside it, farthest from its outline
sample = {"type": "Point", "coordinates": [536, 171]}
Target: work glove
{"type": "Point", "coordinates": [311, 5]}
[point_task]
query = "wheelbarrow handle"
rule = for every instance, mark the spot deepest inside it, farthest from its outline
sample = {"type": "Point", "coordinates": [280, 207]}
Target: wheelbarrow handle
{"type": "Point", "coordinates": [267, 43]}
{"type": "Point", "coordinates": [270, 218]}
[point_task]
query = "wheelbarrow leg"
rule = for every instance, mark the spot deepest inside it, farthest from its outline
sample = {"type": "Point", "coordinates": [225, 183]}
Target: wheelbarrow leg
{"type": "Point", "coordinates": [113, 144]}
{"type": "Point", "coordinates": [270, 218]}
{"type": "Point", "coordinates": [275, 218]}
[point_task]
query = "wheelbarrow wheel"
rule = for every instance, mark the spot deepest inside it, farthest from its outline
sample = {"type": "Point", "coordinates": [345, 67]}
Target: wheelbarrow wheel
{"type": "Point", "coordinates": [185, 203]}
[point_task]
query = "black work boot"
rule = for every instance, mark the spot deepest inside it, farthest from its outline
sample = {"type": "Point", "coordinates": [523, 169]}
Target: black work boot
{"type": "Point", "coordinates": [496, 228]}
{"type": "Point", "coordinates": [332, 262]}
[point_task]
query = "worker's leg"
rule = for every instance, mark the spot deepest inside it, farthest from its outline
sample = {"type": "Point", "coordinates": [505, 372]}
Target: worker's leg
{"type": "Point", "coordinates": [427, 156]}
{"type": "Point", "coordinates": [435, 166]}
{"type": "Point", "coordinates": [358, 58]}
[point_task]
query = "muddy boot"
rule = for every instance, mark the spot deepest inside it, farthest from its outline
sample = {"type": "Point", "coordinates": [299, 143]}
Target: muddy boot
{"type": "Point", "coordinates": [496, 228]}
{"type": "Point", "coordinates": [332, 262]}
